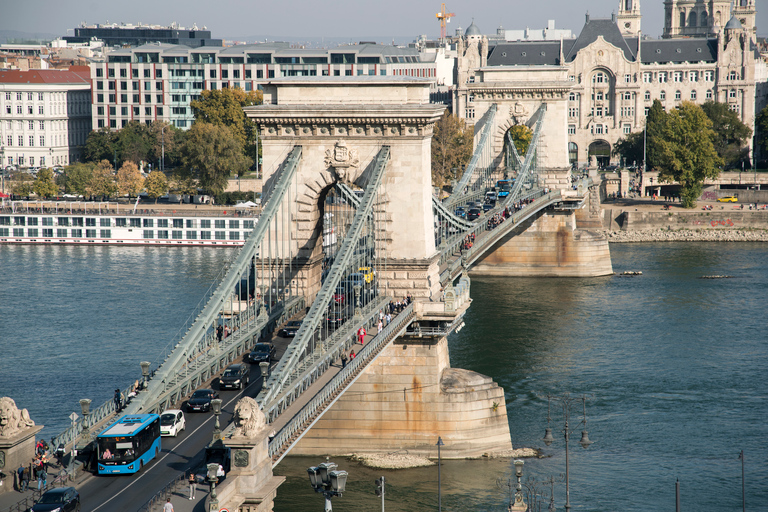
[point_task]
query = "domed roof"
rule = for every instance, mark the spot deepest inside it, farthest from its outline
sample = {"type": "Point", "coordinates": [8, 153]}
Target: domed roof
{"type": "Point", "coordinates": [733, 23]}
{"type": "Point", "coordinates": [472, 30]}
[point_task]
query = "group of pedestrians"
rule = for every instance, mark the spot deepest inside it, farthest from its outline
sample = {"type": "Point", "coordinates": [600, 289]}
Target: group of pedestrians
{"type": "Point", "coordinates": [37, 470]}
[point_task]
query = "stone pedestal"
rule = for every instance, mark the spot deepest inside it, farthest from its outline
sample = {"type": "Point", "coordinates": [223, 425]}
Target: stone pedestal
{"type": "Point", "coordinates": [17, 450]}
{"type": "Point", "coordinates": [250, 485]}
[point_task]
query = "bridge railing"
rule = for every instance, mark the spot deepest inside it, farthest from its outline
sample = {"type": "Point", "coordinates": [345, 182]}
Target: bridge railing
{"type": "Point", "coordinates": [308, 415]}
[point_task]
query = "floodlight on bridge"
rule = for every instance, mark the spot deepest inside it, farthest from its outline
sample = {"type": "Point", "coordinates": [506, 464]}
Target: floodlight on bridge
{"type": "Point", "coordinates": [326, 479]}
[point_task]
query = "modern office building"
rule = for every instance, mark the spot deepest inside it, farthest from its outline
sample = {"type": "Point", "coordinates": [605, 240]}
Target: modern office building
{"type": "Point", "coordinates": [609, 75]}
{"type": "Point", "coordinates": [137, 35]}
{"type": "Point", "coordinates": [45, 116]}
{"type": "Point", "coordinates": [155, 82]}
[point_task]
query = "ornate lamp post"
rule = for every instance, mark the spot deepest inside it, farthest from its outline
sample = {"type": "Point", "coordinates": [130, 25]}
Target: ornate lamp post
{"type": "Point", "coordinates": [264, 367]}
{"type": "Point", "coordinates": [213, 468]}
{"type": "Point", "coordinates": [216, 408]}
{"type": "Point", "coordinates": [144, 373]}
{"type": "Point", "coordinates": [567, 401]}
{"type": "Point", "coordinates": [357, 288]}
{"type": "Point", "coordinates": [85, 408]}
{"type": "Point", "coordinates": [326, 479]}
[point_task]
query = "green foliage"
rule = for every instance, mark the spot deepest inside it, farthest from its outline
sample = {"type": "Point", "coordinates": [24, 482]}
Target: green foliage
{"type": "Point", "coordinates": [102, 182]}
{"type": "Point", "coordinates": [211, 153]}
{"type": "Point", "coordinates": [129, 179]}
{"type": "Point", "coordinates": [45, 186]}
{"type": "Point", "coordinates": [761, 127]}
{"type": "Point", "coordinates": [77, 178]}
{"type": "Point", "coordinates": [225, 107]}
{"type": "Point", "coordinates": [521, 137]}
{"type": "Point", "coordinates": [156, 184]}
{"type": "Point", "coordinates": [227, 198]}
{"type": "Point", "coordinates": [630, 148]}
{"type": "Point", "coordinates": [182, 181]}
{"type": "Point", "coordinates": [451, 148]}
{"type": "Point", "coordinates": [21, 184]}
{"type": "Point", "coordinates": [731, 135]}
{"type": "Point", "coordinates": [686, 152]}
{"type": "Point", "coordinates": [655, 124]}
{"type": "Point", "coordinates": [136, 142]}
{"type": "Point", "coordinates": [101, 145]}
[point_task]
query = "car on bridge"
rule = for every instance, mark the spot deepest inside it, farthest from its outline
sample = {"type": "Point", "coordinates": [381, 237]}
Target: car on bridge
{"type": "Point", "coordinates": [261, 352]}
{"type": "Point", "coordinates": [460, 212]}
{"type": "Point", "coordinates": [336, 318]}
{"type": "Point", "coordinates": [728, 199]}
{"type": "Point", "coordinates": [236, 376]}
{"type": "Point", "coordinates": [368, 273]}
{"type": "Point", "coordinates": [340, 295]}
{"type": "Point", "coordinates": [290, 329]}
{"type": "Point", "coordinates": [474, 213]}
{"type": "Point", "coordinates": [63, 499]}
{"type": "Point", "coordinates": [172, 422]}
{"type": "Point", "coordinates": [201, 400]}
{"type": "Point", "coordinates": [488, 206]}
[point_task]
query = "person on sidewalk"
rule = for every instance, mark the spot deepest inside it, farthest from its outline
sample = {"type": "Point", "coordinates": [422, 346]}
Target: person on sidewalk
{"type": "Point", "coordinates": [168, 507]}
{"type": "Point", "coordinates": [192, 485]}
{"type": "Point", "coordinates": [344, 360]}
{"type": "Point", "coordinates": [25, 478]}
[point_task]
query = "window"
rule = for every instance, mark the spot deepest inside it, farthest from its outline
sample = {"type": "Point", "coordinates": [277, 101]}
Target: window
{"type": "Point", "coordinates": [18, 96]}
{"type": "Point", "coordinates": [77, 233]}
{"type": "Point", "coordinates": [192, 235]}
{"type": "Point", "coordinates": [234, 235]}
{"type": "Point", "coordinates": [693, 95]}
{"type": "Point", "coordinates": [678, 95]}
{"type": "Point", "coordinates": [31, 140]}
{"type": "Point", "coordinates": [709, 76]}
{"type": "Point", "coordinates": [19, 109]}
{"type": "Point", "coordinates": [571, 129]}
{"type": "Point", "coordinates": [205, 223]}
{"type": "Point", "coordinates": [148, 233]}
{"type": "Point", "coordinates": [21, 140]}
{"type": "Point", "coordinates": [158, 86]}
{"type": "Point", "coordinates": [627, 111]}
{"type": "Point", "coordinates": [176, 235]}
{"type": "Point", "coordinates": [647, 96]}
{"type": "Point", "coordinates": [219, 224]}
{"type": "Point", "coordinates": [205, 235]}
{"type": "Point", "coordinates": [162, 233]}
{"type": "Point", "coordinates": [572, 96]}
{"type": "Point", "coordinates": [599, 78]}
{"type": "Point", "coordinates": [573, 111]}
{"type": "Point", "coordinates": [159, 98]}
{"type": "Point", "coordinates": [627, 96]}
{"type": "Point", "coordinates": [627, 78]}
{"type": "Point", "coordinates": [733, 75]}
{"type": "Point", "coordinates": [469, 113]}
{"type": "Point", "coordinates": [147, 74]}
{"type": "Point", "coordinates": [693, 76]}
{"type": "Point", "coordinates": [105, 233]}
{"type": "Point", "coordinates": [599, 111]}
{"type": "Point", "coordinates": [30, 109]}
{"type": "Point", "coordinates": [112, 98]}
{"type": "Point", "coordinates": [123, 98]}
{"type": "Point", "coordinates": [158, 73]}
{"type": "Point", "coordinates": [123, 86]}
{"type": "Point", "coordinates": [135, 74]}
{"type": "Point", "coordinates": [104, 222]}
{"type": "Point", "coordinates": [147, 111]}
{"type": "Point", "coordinates": [678, 76]}
{"type": "Point", "coordinates": [10, 140]}
{"type": "Point", "coordinates": [709, 94]}
{"type": "Point", "coordinates": [734, 108]}
{"type": "Point", "coordinates": [662, 77]}
{"type": "Point", "coordinates": [212, 73]}
{"type": "Point", "coordinates": [224, 73]}
{"type": "Point", "coordinates": [159, 111]}
{"type": "Point", "coordinates": [732, 94]}
{"type": "Point", "coordinates": [627, 129]}
{"type": "Point", "coordinates": [136, 98]}
{"type": "Point", "coordinates": [597, 129]}
{"type": "Point", "coordinates": [599, 96]}
{"type": "Point", "coordinates": [124, 111]}
{"type": "Point", "coordinates": [48, 233]}
{"type": "Point", "coordinates": [178, 223]}
{"type": "Point", "coordinates": [663, 95]}
{"type": "Point", "coordinates": [221, 235]}
{"type": "Point", "coordinates": [148, 223]}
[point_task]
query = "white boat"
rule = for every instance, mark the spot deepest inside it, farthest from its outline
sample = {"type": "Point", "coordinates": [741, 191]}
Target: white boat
{"type": "Point", "coordinates": [108, 223]}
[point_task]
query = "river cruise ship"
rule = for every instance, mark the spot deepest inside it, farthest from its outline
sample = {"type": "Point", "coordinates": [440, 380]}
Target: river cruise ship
{"type": "Point", "coordinates": [85, 223]}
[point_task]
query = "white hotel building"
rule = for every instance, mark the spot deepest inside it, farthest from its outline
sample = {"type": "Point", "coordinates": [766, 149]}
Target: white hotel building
{"type": "Point", "coordinates": [45, 116]}
{"type": "Point", "coordinates": [158, 81]}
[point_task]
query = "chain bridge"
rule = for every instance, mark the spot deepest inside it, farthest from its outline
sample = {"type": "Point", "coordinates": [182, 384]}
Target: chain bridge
{"type": "Point", "coordinates": [352, 236]}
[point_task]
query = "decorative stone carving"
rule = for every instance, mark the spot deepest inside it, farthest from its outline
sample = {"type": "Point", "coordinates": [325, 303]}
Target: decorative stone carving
{"type": "Point", "coordinates": [241, 458]}
{"type": "Point", "coordinates": [519, 113]}
{"type": "Point", "coordinates": [342, 160]}
{"type": "Point", "coordinates": [13, 420]}
{"type": "Point", "coordinates": [249, 419]}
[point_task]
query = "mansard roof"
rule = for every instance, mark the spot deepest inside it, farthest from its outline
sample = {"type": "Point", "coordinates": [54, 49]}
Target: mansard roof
{"type": "Point", "coordinates": [662, 51]}
{"type": "Point", "coordinates": [526, 53]}
{"type": "Point", "coordinates": [593, 28]}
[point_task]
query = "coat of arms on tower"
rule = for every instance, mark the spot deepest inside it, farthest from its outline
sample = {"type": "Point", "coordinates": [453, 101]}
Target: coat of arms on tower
{"type": "Point", "coordinates": [342, 159]}
{"type": "Point", "coordinates": [518, 112]}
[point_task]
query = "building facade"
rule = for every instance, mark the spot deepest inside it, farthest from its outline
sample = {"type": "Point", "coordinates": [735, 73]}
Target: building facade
{"type": "Point", "coordinates": [45, 116]}
{"type": "Point", "coordinates": [614, 74]}
{"type": "Point", "coordinates": [157, 82]}
{"type": "Point", "coordinates": [137, 35]}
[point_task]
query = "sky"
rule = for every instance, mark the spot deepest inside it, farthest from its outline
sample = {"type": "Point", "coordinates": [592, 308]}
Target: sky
{"type": "Point", "coordinates": [353, 19]}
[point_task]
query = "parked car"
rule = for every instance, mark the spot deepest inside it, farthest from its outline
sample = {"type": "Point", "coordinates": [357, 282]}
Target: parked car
{"type": "Point", "coordinates": [728, 199]}
{"type": "Point", "coordinates": [236, 376]}
{"type": "Point", "coordinates": [172, 422]}
{"type": "Point", "coordinates": [474, 213]}
{"type": "Point", "coordinates": [201, 400]}
{"type": "Point", "coordinates": [63, 499]}
{"type": "Point", "coordinates": [261, 352]}
{"type": "Point", "coordinates": [289, 331]}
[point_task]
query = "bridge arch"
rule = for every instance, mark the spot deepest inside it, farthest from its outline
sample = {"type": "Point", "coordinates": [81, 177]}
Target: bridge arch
{"type": "Point", "coordinates": [600, 150]}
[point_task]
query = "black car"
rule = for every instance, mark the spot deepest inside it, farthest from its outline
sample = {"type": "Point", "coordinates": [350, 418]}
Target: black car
{"type": "Point", "coordinates": [487, 207]}
{"type": "Point", "coordinates": [63, 499]}
{"type": "Point", "coordinates": [474, 213]}
{"type": "Point", "coordinates": [261, 352]}
{"type": "Point", "coordinates": [289, 331]}
{"type": "Point", "coordinates": [201, 400]}
{"type": "Point", "coordinates": [335, 318]}
{"type": "Point", "coordinates": [236, 376]}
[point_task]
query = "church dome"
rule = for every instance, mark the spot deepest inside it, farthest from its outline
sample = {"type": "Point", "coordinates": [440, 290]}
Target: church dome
{"type": "Point", "coordinates": [733, 24]}
{"type": "Point", "coordinates": [472, 30]}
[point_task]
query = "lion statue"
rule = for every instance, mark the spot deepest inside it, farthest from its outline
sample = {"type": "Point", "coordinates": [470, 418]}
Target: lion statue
{"type": "Point", "coordinates": [13, 420]}
{"type": "Point", "coordinates": [249, 419]}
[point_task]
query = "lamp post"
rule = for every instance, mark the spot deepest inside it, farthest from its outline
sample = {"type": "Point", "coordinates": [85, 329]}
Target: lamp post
{"type": "Point", "coordinates": [85, 408]}
{"type": "Point", "coordinates": [216, 408]}
{"type": "Point", "coordinates": [144, 373]}
{"type": "Point", "coordinates": [439, 444]}
{"type": "Point", "coordinates": [567, 401]}
{"type": "Point", "coordinates": [357, 288]}
{"type": "Point", "coordinates": [325, 478]}
{"type": "Point", "coordinates": [264, 367]}
{"type": "Point", "coordinates": [213, 468]}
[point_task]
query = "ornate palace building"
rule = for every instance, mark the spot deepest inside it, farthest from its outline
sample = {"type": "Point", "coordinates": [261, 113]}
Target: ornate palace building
{"type": "Point", "coordinates": [604, 81]}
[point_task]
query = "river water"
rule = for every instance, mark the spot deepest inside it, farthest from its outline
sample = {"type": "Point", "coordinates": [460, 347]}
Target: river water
{"type": "Point", "coordinates": [675, 367]}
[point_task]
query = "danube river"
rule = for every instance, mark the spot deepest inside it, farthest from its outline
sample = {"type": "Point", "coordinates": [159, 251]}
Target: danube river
{"type": "Point", "coordinates": [676, 368]}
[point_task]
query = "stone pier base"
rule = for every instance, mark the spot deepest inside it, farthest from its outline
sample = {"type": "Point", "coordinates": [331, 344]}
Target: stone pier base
{"type": "Point", "coordinates": [17, 450]}
{"type": "Point", "coordinates": [406, 399]}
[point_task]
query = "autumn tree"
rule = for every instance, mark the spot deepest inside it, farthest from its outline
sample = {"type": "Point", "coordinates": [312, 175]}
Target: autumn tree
{"type": "Point", "coordinates": [686, 151]}
{"type": "Point", "coordinates": [129, 179]}
{"type": "Point", "coordinates": [156, 184]}
{"type": "Point", "coordinates": [225, 107]}
{"type": "Point", "coordinates": [44, 185]}
{"type": "Point", "coordinates": [21, 184]}
{"type": "Point", "coordinates": [183, 182]}
{"type": "Point", "coordinates": [77, 178]}
{"type": "Point", "coordinates": [211, 153]}
{"type": "Point", "coordinates": [451, 148]}
{"type": "Point", "coordinates": [731, 135]}
{"type": "Point", "coordinates": [102, 182]}
{"type": "Point", "coordinates": [521, 137]}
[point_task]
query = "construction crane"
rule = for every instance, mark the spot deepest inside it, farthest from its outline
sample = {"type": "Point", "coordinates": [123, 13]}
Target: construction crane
{"type": "Point", "coordinates": [444, 17]}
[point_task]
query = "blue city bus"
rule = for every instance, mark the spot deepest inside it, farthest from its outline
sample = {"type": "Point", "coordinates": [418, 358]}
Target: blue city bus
{"type": "Point", "coordinates": [503, 187]}
{"type": "Point", "coordinates": [128, 444]}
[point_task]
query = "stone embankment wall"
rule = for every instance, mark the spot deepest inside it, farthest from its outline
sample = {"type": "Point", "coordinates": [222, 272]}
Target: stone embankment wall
{"type": "Point", "coordinates": [688, 235]}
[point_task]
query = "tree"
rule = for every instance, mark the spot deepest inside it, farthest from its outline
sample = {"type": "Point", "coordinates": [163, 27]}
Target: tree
{"type": "Point", "coordinates": [521, 136]}
{"type": "Point", "coordinates": [77, 178]}
{"type": "Point", "coordinates": [100, 145]}
{"type": "Point", "coordinates": [761, 127]}
{"type": "Point", "coordinates": [225, 107]}
{"type": "Point", "coordinates": [630, 148]}
{"type": "Point", "coordinates": [21, 184]}
{"type": "Point", "coordinates": [451, 148]}
{"type": "Point", "coordinates": [129, 180]}
{"type": "Point", "coordinates": [686, 151]}
{"type": "Point", "coordinates": [183, 182]}
{"type": "Point", "coordinates": [156, 184]}
{"type": "Point", "coordinates": [211, 153]}
{"type": "Point", "coordinates": [731, 135]}
{"type": "Point", "coordinates": [655, 124]}
{"type": "Point", "coordinates": [45, 186]}
{"type": "Point", "coordinates": [135, 142]}
{"type": "Point", "coordinates": [102, 182]}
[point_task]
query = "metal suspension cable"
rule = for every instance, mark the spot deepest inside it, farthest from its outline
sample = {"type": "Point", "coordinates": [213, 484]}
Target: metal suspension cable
{"type": "Point", "coordinates": [299, 348]}
{"type": "Point", "coordinates": [525, 170]}
{"type": "Point", "coordinates": [485, 136]}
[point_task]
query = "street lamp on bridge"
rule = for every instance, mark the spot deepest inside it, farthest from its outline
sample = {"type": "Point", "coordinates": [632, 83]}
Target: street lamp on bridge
{"type": "Point", "coordinates": [567, 401]}
{"type": "Point", "coordinates": [326, 479]}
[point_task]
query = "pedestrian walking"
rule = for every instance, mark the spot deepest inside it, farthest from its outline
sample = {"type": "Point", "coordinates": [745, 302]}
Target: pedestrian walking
{"type": "Point", "coordinates": [42, 478]}
{"type": "Point", "coordinates": [379, 327]}
{"type": "Point", "coordinates": [361, 335]}
{"type": "Point", "coordinates": [344, 360]}
{"type": "Point", "coordinates": [352, 355]}
{"type": "Point", "coordinates": [19, 478]}
{"type": "Point", "coordinates": [25, 479]}
{"type": "Point", "coordinates": [192, 485]}
{"type": "Point", "coordinates": [168, 507]}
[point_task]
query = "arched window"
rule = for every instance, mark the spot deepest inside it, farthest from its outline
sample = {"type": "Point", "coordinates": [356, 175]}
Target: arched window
{"type": "Point", "coordinates": [682, 19]}
{"type": "Point", "coordinates": [733, 75]}
{"type": "Point", "coordinates": [599, 78]}
{"type": "Point", "coordinates": [692, 20]}
{"type": "Point", "coordinates": [572, 96]}
{"type": "Point", "coordinates": [703, 19]}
